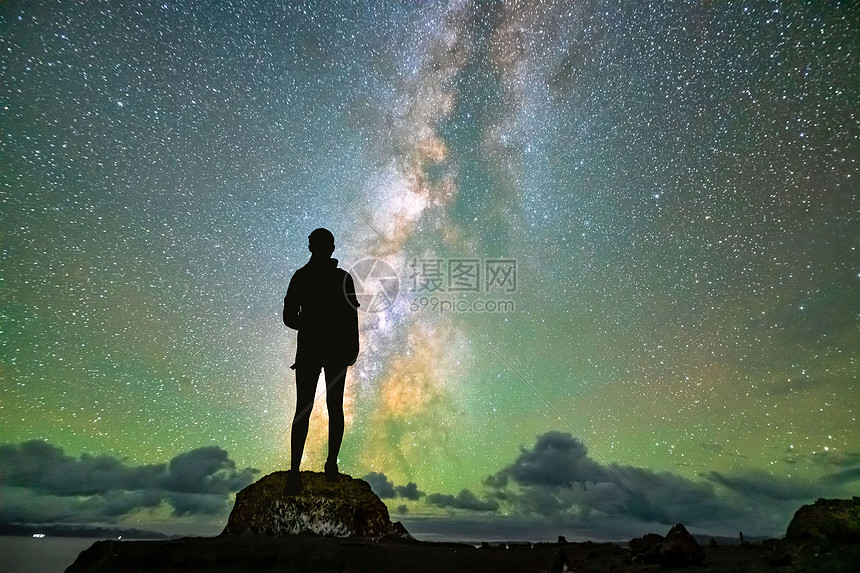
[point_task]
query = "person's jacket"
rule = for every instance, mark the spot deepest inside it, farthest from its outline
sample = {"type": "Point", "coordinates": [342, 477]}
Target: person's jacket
{"type": "Point", "coordinates": [321, 304]}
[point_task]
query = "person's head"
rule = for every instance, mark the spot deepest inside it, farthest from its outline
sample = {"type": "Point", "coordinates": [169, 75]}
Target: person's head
{"type": "Point", "coordinates": [321, 242]}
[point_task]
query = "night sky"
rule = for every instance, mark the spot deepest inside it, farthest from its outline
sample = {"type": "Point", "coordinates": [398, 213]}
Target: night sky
{"type": "Point", "coordinates": [672, 185]}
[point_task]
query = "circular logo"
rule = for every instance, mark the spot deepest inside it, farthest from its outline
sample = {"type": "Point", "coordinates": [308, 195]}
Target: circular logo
{"type": "Point", "coordinates": [376, 284]}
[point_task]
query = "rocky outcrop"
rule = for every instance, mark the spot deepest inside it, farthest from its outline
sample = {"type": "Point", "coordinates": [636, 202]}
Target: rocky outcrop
{"type": "Point", "coordinates": [833, 519]}
{"type": "Point", "coordinates": [677, 549]}
{"type": "Point", "coordinates": [304, 553]}
{"type": "Point", "coordinates": [346, 508]}
{"type": "Point", "coordinates": [262, 508]}
{"type": "Point", "coordinates": [680, 549]}
{"type": "Point", "coordinates": [646, 549]}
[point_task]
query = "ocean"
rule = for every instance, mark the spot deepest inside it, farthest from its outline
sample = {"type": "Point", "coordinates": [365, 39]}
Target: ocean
{"type": "Point", "coordinates": [46, 555]}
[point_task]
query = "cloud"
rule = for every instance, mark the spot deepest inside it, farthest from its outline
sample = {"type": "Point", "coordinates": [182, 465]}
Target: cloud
{"type": "Point", "coordinates": [203, 470]}
{"type": "Point", "coordinates": [25, 505]}
{"type": "Point", "coordinates": [765, 485]}
{"type": "Point", "coordinates": [841, 477]}
{"type": "Point", "coordinates": [41, 483]}
{"type": "Point", "coordinates": [410, 491]}
{"type": "Point", "coordinates": [380, 485]}
{"type": "Point", "coordinates": [46, 468]}
{"type": "Point", "coordinates": [463, 500]}
{"type": "Point", "coordinates": [554, 487]}
{"type": "Point", "coordinates": [385, 489]}
{"type": "Point", "coordinates": [556, 460]}
{"type": "Point", "coordinates": [556, 478]}
{"type": "Point", "coordinates": [197, 503]}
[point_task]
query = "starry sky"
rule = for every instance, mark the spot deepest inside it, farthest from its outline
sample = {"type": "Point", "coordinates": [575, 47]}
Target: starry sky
{"type": "Point", "coordinates": [673, 187]}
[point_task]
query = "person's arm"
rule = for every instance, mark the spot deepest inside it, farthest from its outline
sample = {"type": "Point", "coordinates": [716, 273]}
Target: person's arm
{"type": "Point", "coordinates": [349, 288]}
{"type": "Point", "coordinates": [292, 307]}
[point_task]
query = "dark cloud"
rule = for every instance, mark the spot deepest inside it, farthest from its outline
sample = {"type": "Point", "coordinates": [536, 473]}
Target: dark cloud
{"type": "Point", "coordinates": [839, 460]}
{"type": "Point", "coordinates": [842, 477]}
{"type": "Point", "coordinates": [762, 484]}
{"type": "Point", "coordinates": [463, 500]}
{"type": "Point", "coordinates": [830, 462]}
{"type": "Point", "coordinates": [556, 460]}
{"type": "Point", "coordinates": [556, 478]}
{"type": "Point", "coordinates": [556, 484]}
{"type": "Point", "coordinates": [385, 489]}
{"type": "Point", "coordinates": [41, 483]}
{"type": "Point", "coordinates": [555, 487]}
{"type": "Point", "coordinates": [380, 485]}
{"type": "Point", "coordinates": [25, 505]}
{"type": "Point", "coordinates": [204, 470]}
{"type": "Point", "coordinates": [410, 491]}
{"type": "Point", "coordinates": [46, 468]}
{"type": "Point", "coordinates": [197, 503]}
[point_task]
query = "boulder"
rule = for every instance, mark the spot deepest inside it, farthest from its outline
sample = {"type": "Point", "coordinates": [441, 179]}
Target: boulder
{"type": "Point", "coordinates": [832, 519]}
{"type": "Point", "coordinates": [346, 508]}
{"type": "Point", "coordinates": [646, 549]}
{"type": "Point", "coordinates": [680, 549]}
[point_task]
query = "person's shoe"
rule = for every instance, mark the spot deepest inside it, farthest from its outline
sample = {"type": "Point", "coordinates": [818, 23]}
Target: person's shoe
{"type": "Point", "coordinates": [294, 485]}
{"type": "Point", "coordinates": [331, 473]}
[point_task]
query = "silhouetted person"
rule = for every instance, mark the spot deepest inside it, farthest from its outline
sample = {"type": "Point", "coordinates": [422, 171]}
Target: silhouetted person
{"type": "Point", "coordinates": [320, 304]}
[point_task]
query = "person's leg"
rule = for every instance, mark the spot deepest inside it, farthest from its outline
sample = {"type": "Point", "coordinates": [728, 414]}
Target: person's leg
{"type": "Point", "coordinates": [335, 378]}
{"type": "Point", "coordinates": [306, 385]}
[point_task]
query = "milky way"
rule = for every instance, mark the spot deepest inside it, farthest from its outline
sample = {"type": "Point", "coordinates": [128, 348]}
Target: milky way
{"type": "Point", "coordinates": [674, 185]}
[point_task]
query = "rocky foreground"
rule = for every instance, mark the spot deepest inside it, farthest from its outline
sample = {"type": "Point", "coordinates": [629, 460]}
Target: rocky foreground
{"type": "Point", "coordinates": [344, 526]}
{"type": "Point", "coordinates": [346, 508]}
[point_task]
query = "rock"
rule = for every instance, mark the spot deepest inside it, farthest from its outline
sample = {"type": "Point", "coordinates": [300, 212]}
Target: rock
{"type": "Point", "coordinates": [777, 558]}
{"type": "Point", "coordinates": [346, 508]}
{"type": "Point", "coordinates": [560, 561]}
{"type": "Point", "coordinates": [646, 549]}
{"type": "Point", "coordinates": [303, 553]}
{"type": "Point", "coordinates": [680, 549]}
{"type": "Point", "coordinates": [677, 549]}
{"type": "Point", "coordinates": [832, 519]}
{"type": "Point", "coordinates": [400, 531]}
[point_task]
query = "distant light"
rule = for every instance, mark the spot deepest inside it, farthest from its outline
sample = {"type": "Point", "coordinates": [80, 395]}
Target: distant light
{"type": "Point", "coordinates": [39, 535]}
